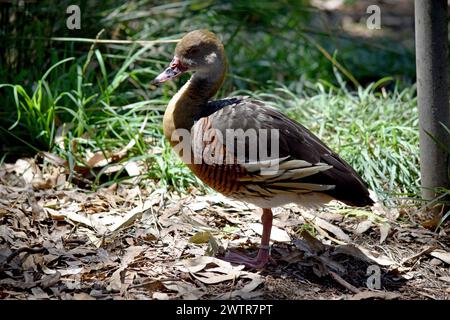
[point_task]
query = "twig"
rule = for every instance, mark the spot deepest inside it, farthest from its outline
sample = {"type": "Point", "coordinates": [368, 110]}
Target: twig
{"type": "Point", "coordinates": [343, 283]}
{"type": "Point", "coordinates": [146, 283]}
{"type": "Point", "coordinates": [418, 255]}
{"type": "Point", "coordinates": [24, 249]}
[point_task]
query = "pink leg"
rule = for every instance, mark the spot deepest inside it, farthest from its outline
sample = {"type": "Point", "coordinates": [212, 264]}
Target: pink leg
{"type": "Point", "coordinates": [263, 254]}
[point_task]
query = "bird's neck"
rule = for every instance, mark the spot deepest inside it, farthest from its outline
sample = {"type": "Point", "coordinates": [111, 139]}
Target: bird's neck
{"type": "Point", "coordinates": [187, 103]}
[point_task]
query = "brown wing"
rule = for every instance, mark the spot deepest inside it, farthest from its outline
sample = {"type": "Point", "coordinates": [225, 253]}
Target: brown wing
{"type": "Point", "coordinates": [308, 163]}
{"type": "Point", "coordinates": [208, 160]}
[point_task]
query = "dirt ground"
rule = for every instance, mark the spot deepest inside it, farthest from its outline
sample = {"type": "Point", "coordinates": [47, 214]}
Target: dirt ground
{"type": "Point", "coordinates": [127, 242]}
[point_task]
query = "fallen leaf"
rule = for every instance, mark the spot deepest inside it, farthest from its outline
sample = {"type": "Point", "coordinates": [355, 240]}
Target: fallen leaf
{"type": "Point", "coordinates": [53, 159]}
{"type": "Point", "coordinates": [363, 226]}
{"type": "Point", "coordinates": [293, 257]}
{"type": "Point", "coordinates": [276, 234]}
{"type": "Point", "coordinates": [391, 214]}
{"type": "Point", "coordinates": [83, 296]}
{"type": "Point", "coordinates": [331, 264]}
{"type": "Point", "coordinates": [441, 255]}
{"type": "Point", "coordinates": [8, 282]}
{"type": "Point", "coordinates": [434, 222]}
{"type": "Point", "coordinates": [341, 235]}
{"type": "Point", "coordinates": [160, 296]}
{"type": "Point", "coordinates": [385, 228]}
{"type": "Point", "coordinates": [50, 280]}
{"type": "Point", "coordinates": [197, 264]}
{"type": "Point", "coordinates": [223, 271]}
{"type": "Point", "coordinates": [319, 269]}
{"type": "Point", "coordinates": [70, 216]}
{"type": "Point", "coordinates": [6, 234]}
{"type": "Point", "coordinates": [375, 295]}
{"type": "Point", "coordinates": [63, 272]}
{"type": "Point", "coordinates": [213, 278]}
{"type": "Point", "coordinates": [132, 169]}
{"type": "Point", "coordinates": [200, 237]}
{"type": "Point", "coordinates": [256, 280]}
{"type": "Point", "coordinates": [26, 168]}
{"type": "Point", "coordinates": [247, 291]}
{"type": "Point", "coordinates": [198, 205]}
{"type": "Point", "coordinates": [213, 247]}
{"type": "Point", "coordinates": [309, 244]}
{"type": "Point", "coordinates": [132, 215]}
{"type": "Point", "coordinates": [185, 290]}
{"type": "Point", "coordinates": [363, 254]}
{"type": "Point", "coordinates": [115, 282]}
{"type": "Point", "coordinates": [38, 294]}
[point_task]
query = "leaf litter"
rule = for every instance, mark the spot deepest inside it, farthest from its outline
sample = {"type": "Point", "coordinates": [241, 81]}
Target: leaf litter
{"type": "Point", "coordinates": [137, 241]}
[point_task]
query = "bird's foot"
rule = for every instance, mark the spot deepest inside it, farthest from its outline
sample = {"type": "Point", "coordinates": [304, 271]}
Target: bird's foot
{"type": "Point", "coordinates": [259, 262]}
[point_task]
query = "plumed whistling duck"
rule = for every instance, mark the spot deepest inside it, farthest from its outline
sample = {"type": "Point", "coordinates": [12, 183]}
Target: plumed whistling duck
{"type": "Point", "coordinates": [303, 171]}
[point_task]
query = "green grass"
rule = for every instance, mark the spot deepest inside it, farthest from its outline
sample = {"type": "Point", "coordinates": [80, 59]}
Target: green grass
{"type": "Point", "coordinates": [100, 114]}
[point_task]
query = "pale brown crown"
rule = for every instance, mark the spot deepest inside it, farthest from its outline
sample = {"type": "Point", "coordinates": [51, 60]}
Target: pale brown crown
{"type": "Point", "coordinates": [196, 46]}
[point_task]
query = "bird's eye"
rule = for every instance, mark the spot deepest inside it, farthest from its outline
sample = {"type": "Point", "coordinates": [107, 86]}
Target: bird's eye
{"type": "Point", "coordinates": [193, 50]}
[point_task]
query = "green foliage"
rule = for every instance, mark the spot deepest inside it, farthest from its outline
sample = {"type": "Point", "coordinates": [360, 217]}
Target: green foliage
{"type": "Point", "coordinates": [87, 109]}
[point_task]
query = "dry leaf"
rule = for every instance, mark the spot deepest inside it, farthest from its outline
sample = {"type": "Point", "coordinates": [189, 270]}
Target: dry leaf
{"type": "Point", "coordinates": [26, 168]}
{"type": "Point", "coordinates": [276, 234]}
{"type": "Point", "coordinates": [198, 205]}
{"type": "Point", "coordinates": [63, 272]}
{"type": "Point", "coordinates": [213, 247]}
{"type": "Point", "coordinates": [293, 257]}
{"type": "Point", "coordinates": [441, 255]}
{"type": "Point", "coordinates": [384, 231]}
{"type": "Point", "coordinates": [363, 254]}
{"type": "Point", "coordinates": [133, 170]}
{"type": "Point", "coordinates": [213, 278]}
{"type": "Point", "coordinates": [53, 159]}
{"type": "Point", "coordinates": [50, 280]}
{"type": "Point", "coordinates": [363, 226]}
{"type": "Point", "coordinates": [185, 290]}
{"type": "Point", "coordinates": [256, 280]}
{"type": "Point", "coordinates": [197, 264]}
{"type": "Point", "coordinates": [211, 275]}
{"type": "Point", "coordinates": [341, 235]}
{"type": "Point", "coordinates": [200, 237]}
{"type": "Point", "coordinates": [132, 215]}
{"type": "Point", "coordinates": [83, 296]}
{"type": "Point", "coordinates": [247, 291]}
{"type": "Point", "coordinates": [309, 244]}
{"type": "Point", "coordinates": [131, 253]}
{"type": "Point", "coordinates": [160, 296]}
{"type": "Point", "coordinates": [375, 295]}
{"type": "Point", "coordinates": [391, 214]}
{"type": "Point", "coordinates": [39, 294]}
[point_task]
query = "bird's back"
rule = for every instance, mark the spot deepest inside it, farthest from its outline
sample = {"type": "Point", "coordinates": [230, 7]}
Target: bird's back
{"type": "Point", "coordinates": [306, 165]}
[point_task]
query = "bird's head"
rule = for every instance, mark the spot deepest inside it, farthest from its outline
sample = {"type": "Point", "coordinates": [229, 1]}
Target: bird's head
{"type": "Point", "coordinates": [198, 51]}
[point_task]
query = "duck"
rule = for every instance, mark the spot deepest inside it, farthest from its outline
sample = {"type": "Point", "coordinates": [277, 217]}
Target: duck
{"type": "Point", "coordinates": [226, 144]}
